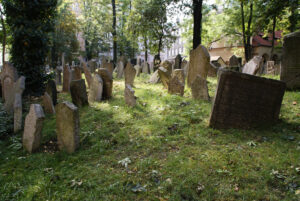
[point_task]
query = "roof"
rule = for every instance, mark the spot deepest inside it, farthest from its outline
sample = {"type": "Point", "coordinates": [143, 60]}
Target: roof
{"type": "Point", "coordinates": [258, 40]}
{"type": "Point", "coordinates": [216, 58]}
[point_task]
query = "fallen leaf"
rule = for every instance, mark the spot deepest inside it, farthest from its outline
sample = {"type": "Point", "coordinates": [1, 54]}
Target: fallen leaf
{"type": "Point", "coordinates": [294, 103]}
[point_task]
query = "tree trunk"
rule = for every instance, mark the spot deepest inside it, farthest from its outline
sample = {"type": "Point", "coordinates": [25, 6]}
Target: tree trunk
{"type": "Point", "coordinates": [243, 27]}
{"type": "Point", "coordinates": [249, 53]}
{"type": "Point", "coordinates": [197, 14]}
{"type": "Point", "coordinates": [273, 36]}
{"type": "Point", "coordinates": [4, 37]}
{"type": "Point", "coordinates": [146, 48]}
{"type": "Point", "coordinates": [159, 46]}
{"type": "Point", "coordinates": [114, 33]}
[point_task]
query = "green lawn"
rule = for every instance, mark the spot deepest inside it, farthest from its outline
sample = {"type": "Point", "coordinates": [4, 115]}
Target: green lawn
{"type": "Point", "coordinates": [167, 150]}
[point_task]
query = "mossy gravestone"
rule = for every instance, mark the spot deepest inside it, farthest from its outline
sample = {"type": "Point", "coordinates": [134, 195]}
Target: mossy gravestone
{"type": "Point", "coordinates": [52, 91]}
{"type": "Point", "coordinates": [67, 78]}
{"type": "Point", "coordinates": [245, 101]}
{"type": "Point", "coordinates": [129, 74]}
{"type": "Point", "coordinates": [107, 83]}
{"type": "Point", "coordinates": [33, 128]}
{"type": "Point", "coordinates": [78, 93]}
{"type": "Point", "coordinates": [95, 92]}
{"type": "Point", "coordinates": [67, 126]}
{"type": "Point", "coordinates": [130, 99]}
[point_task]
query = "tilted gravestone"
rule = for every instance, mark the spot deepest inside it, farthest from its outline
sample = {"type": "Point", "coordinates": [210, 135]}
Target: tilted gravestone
{"type": "Point", "coordinates": [245, 101]}
{"type": "Point", "coordinates": [200, 89]}
{"type": "Point", "coordinates": [138, 69]}
{"type": "Point", "coordinates": [67, 126]}
{"type": "Point", "coordinates": [130, 99]}
{"type": "Point", "coordinates": [17, 88]}
{"type": "Point", "coordinates": [109, 66]}
{"type": "Point", "coordinates": [120, 69]}
{"type": "Point", "coordinates": [67, 78]}
{"type": "Point", "coordinates": [32, 135]}
{"type": "Point", "coordinates": [8, 77]}
{"type": "Point", "coordinates": [178, 62]}
{"type": "Point", "coordinates": [78, 93]}
{"type": "Point", "coordinates": [87, 74]}
{"type": "Point", "coordinates": [48, 104]}
{"type": "Point", "coordinates": [234, 61]}
{"type": "Point", "coordinates": [253, 66]}
{"type": "Point", "coordinates": [145, 68]}
{"type": "Point", "coordinates": [199, 64]}
{"type": "Point", "coordinates": [77, 75]}
{"type": "Point", "coordinates": [130, 73]}
{"type": "Point", "coordinates": [176, 83]}
{"type": "Point", "coordinates": [164, 76]}
{"type": "Point", "coordinates": [107, 83]}
{"type": "Point", "coordinates": [52, 91]}
{"type": "Point", "coordinates": [96, 89]}
{"type": "Point", "coordinates": [154, 79]}
{"type": "Point", "coordinates": [290, 65]}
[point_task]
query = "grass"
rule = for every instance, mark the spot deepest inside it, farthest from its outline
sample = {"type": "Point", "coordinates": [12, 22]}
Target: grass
{"type": "Point", "coordinates": [168, 153]}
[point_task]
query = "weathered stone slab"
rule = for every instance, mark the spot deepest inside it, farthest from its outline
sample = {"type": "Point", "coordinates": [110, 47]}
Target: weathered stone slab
{"type": "Point", "coordinates": [185, 66]}
{"type": "Point", "coordinates": [199, 64]}
{"type": "Point", "coordinates": [176, 83]}
{"type": "Point", "coordinates": [107, 83]}
{"type": "Point", "coordinates": [138, 69]}
{"type": "Point", "coordinates": [67, 126]}
{"type": "Point", "coordinates": [290, 65]}
{"type": "Point", "coordinates": [87, 74]}
{"type": "Point", "coordinates": [18, 112]}
{"type": "Point", "coordinates": [200, 89]}
{"type": "Point", "coordinates": [212, 71]}
{"type": "Point", "coordinates": [130, 73]}
{"type": "Point", "coordinates": [253, 66]}
{"type": "Point", "coordinates": [165, 76]}
{"type": "Point", "coordinates": [120, 69]}
{"type": "Point", "coordinates": [32, 135]}
{"type": "Point", "coordinates": [17, 88]}
{"type": "Point", "coordinates": [130, 99]}
{"type": "Point", "coordinates": [245, 101]}
{"type": "Point", "coordinates": [77, 73]}
{"type": "Point", "coordinates": [52, 91]}
{"type": "Point", "coordinates": [270, 67]}
{"type": "Point", "coordinates": [48, 104]}
{"type": "Point", "coordinates": [8, 77]}
{"type": "Point", "coordinates": [234, 61]}
{"type": "Point", "coordinates": [109, 66]}
{"type": "Point", "coordinates": [67, 78]}
{"type": "Point", "coordinates": [58, 71]}
{"type": "Point", "coordinates": [154, 79]}
{"type": "Point", "coordinates": [145, 68]}
{"type": "Point", "coordinates": [178, 62]}
{"type": "Point", "coordinates": [96, 90]}
{"type": "Point", "coordinates": [78, 93]}
{"type": "Point", "coordinates": [92, 66]}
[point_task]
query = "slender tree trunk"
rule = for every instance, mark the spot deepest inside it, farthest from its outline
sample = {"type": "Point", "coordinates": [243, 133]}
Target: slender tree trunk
{"type": "Point", "coordinates": [197, 14]}
{"type": "Point", "coordinates": [114, 33]}
{"type": "Point", "coordinates": [4, 37]}
{"type": "Point", "coordinates": [146, 48]}
{"type": "Point", "coordinates": [243, 27]}
{"type": "Point", "coordinates": [159, 46]}
{"type": "Point", "coordinates": [249, 32]}
{"type": "Point", "coordinates": [273, 36]}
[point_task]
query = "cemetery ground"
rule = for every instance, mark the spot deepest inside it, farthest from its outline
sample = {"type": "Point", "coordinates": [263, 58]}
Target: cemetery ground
{"type": "Point", "coordinates": [162, 149]}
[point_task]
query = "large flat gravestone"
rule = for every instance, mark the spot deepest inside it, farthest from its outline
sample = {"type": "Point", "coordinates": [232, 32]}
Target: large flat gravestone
{"type": "Point", "coordinates": [107, 83]}
{"type": "Point", "coordinates": [245, 101]}
{"type": "Point", "coordinates": [290, 66]}
{"type": "Point", "coordinates": [253, 66]}
{"type": "Point", "coordinates": [67, 78]}
{"type": "Point", "coordinates": [200, 89]}
{"type": "Point", "coordinates": [32, 135]}
{"type": "Point", "coordinates": [199, 64]}
{"type": "Point", "coordinates": [129, 74]}
{"type": "Point", "coordinates": [67, 126]}
{"type": "Point", "coordinates": [78, 93]}
{"type": "Point", "coordinates": [95, 93]}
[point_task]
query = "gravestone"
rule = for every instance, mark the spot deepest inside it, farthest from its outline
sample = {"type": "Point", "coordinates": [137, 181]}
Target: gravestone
{"type": "Point", "coordinates": [120, 69]}
{"type": "Point", "coordinates": [107, 83]}
{"type": "Point", "coordinates": [77, 73]}
{"type": "Point", "coordinates": [164, 76]}
{"type": "Point", "coordinates": [18, 112]}
{"type": "Point", "coordinates": [87, 74]}
{"type": "Point", "coordinates": [96, 90]}
{"type": "Point", "coordinates": [156, 62]}
{"type": "Point", "coordinates": [290, 65]}
{"type": "Point", "coordinates": [130, 73]}
{"type": "Point", "coordinates": [138, 69]}
{"type": "Point", "coordinates": [154, 79]}
{"type": "Point", "coordinates": [92, 66]}
{"type": "Point", "coordinates": [200, 89]}
{"type": "Point", "coordinates": [32, 135]}
{"type": "Point", "coordinates": [130, 99]}
{"type": "Point", "coordinates": [185, 66]}
{"type": "Point", "coordinates": [109, 66]}
{"type": "Point", "coordinates": [8, 77]}
{"type": "Point", "coordinates": [199, 64]}
{"type": "Point", "coordinates": [67, 78]}
{"type": "Point", "coordinates": [48, 104]}
{"type": "Point", "coordinates": [58, 71]}
{"type": "Point", "coordinates": [178, 62]}
{"type": "Point", "coordinates": [145, 68]}
{"type": "Point", "coordinates": [0, 87]}
{"type": "Point", "coordinates": [78, 93]}
{"type": "Point", "coordinates": [245, 101]}
{"type": "Point", "coordinates": [17, 88]}
{"type": "Point", "coordinates": [270, 67]}
{"type": "Point", "coordinates": [253, 66]}
{"type": "Point", "coordinates": [212, 71]}
{"type": "Point", "coordinates": [234, 61]}
{"type": "Point", "coordinates": [52, 91]}
{"type": "Point", "coordinates": [176, 83]}
{"type": "Point", "coordinates": [67, 126]}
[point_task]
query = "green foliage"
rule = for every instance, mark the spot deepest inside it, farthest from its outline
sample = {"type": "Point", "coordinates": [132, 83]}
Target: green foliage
{"type": "Point", "coordinates": [30, 23]}
{"type": "Point", "coordinates": [6, 123]}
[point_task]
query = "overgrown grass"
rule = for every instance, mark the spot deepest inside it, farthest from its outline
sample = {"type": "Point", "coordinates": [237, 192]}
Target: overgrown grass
{"type": "Point", "coordinates": [171, 154]}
